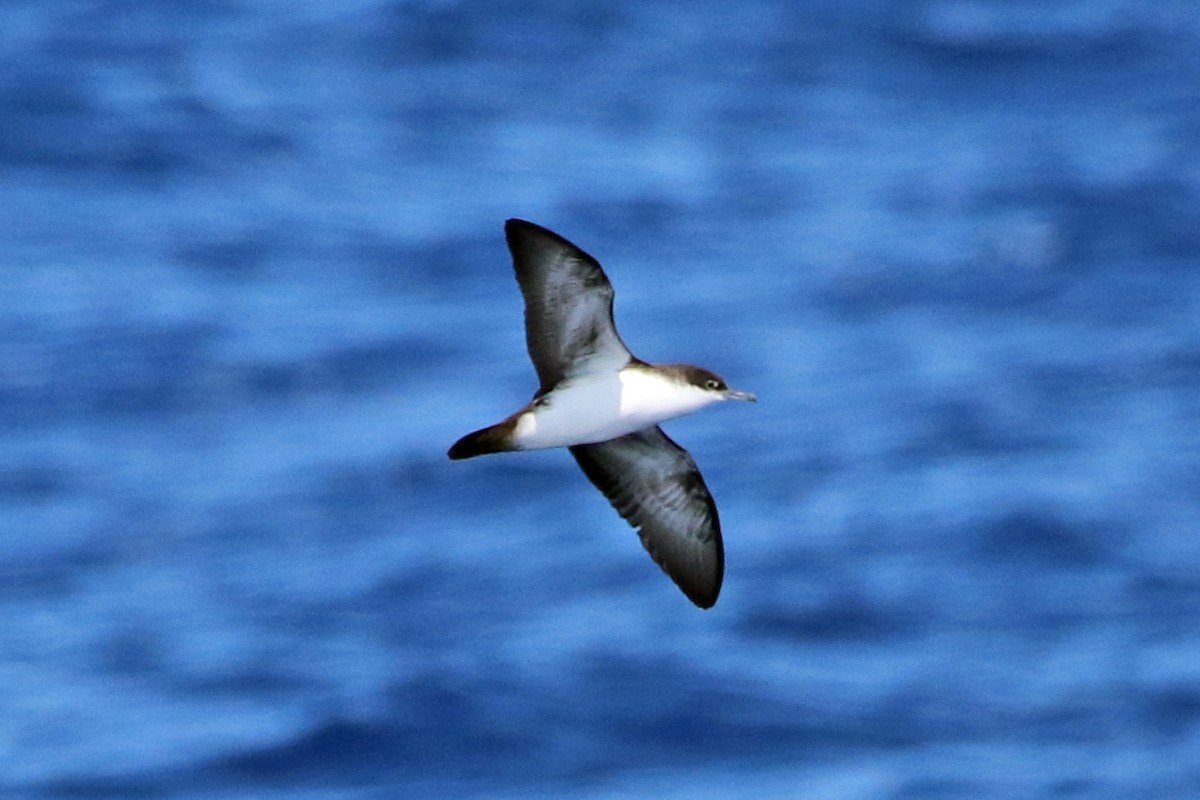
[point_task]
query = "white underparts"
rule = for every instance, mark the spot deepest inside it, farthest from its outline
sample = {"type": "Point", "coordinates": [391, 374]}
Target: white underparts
{"type": "Point", "coordinates": [599, 407]}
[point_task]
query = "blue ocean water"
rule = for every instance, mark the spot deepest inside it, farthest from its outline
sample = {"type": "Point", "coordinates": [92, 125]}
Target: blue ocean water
{"type": "Point", "coordinates": [255, 284]}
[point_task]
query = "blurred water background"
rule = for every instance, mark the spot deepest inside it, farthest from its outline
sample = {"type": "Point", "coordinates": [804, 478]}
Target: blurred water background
{"type": "Point", "coordinates": [255, 283]}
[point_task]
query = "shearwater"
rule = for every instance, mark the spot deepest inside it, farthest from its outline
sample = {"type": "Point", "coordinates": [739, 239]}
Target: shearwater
{"type": "Point", "coordinates": [604, 405]}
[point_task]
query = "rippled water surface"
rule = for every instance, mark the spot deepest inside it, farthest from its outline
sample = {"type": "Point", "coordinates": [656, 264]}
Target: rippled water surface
{"type": "Point", "coordinates": [255, 284]}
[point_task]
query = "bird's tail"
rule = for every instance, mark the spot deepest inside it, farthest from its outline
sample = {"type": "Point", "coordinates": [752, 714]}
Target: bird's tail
{"type": "Point", "coordinates": [493, 439]}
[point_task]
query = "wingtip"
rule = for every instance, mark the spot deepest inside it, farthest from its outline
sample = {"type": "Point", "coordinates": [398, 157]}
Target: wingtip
{"type": "Point", "coordinates": [515, 225]}
{"type": "Point", "coordinates": [703, 597]}
{"type": "Point", "coordinates": [702, 586]}
{"type": "Point", "coordinates": [521, 233]}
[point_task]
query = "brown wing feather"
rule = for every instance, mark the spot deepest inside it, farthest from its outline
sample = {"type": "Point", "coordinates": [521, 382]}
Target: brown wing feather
{"type": "Point", "coordinates": [568, 303]}
{"type": "Point", "coordinates": [654, 484]}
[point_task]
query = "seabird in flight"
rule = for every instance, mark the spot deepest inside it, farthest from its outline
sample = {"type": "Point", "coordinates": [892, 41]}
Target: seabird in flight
{"type": "Point", "coordinates": [604, 404]}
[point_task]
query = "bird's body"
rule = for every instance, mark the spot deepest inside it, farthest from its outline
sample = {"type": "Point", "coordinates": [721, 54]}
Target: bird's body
{"type": "Point", "coordinates": [605, 405]}
{"type": "Point", "coordinates": [600, 406]}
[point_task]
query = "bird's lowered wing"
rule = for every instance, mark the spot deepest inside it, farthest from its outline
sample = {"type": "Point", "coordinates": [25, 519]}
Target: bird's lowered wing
{"type": "Point", "coordinates": [655, 485]}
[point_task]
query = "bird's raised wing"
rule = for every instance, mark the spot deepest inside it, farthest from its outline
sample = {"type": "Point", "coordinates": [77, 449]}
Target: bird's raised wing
{"type": "Point", "coordinates": [568, 305]}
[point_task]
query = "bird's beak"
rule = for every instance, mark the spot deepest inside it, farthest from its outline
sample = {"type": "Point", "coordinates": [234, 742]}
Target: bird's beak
{"type": "Point", "coordinates": [734, 394]}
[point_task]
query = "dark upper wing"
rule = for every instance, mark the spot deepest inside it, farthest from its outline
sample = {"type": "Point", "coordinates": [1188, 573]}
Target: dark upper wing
{"type": "Point", "coordinates": [568, 303]}
{"type": "Point", "coordinates": [654, 484]}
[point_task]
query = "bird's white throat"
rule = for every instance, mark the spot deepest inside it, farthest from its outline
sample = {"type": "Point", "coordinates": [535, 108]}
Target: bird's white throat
{"type": "Point", "coordinates": [600, 406]}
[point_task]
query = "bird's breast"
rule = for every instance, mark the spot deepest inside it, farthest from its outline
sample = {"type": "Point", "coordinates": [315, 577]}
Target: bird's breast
{"type": "Point", "coordinates": [599, 408]}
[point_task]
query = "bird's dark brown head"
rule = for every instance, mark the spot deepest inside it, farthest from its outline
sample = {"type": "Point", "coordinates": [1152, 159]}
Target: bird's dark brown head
{"type": "Point", "coordinates": [706, 380]}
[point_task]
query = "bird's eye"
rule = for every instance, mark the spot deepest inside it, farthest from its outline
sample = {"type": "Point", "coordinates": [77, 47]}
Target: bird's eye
{"type": "Point", "coordinates": [712, 384]}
